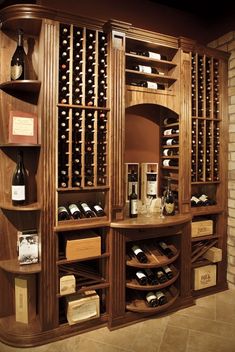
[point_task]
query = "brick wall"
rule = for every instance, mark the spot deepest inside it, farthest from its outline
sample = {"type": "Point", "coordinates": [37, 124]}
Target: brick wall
{"type": "Point", "coordinates": [227, 43]}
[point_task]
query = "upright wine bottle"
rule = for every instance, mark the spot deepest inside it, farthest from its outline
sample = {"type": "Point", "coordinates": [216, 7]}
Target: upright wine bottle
{"type": "Point", "coordinates": [169, 201]}
{"type": "Point", "coordinates": [133, 211]}
{"type": "Point", "coordinates": [152, 184]}
{"type": "Point", "coordinates": [19, 180]}
{"type": "Point", "coordinates": [18, 61]}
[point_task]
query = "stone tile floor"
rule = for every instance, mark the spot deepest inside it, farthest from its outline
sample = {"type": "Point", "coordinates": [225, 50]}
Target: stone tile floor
{"type": "Point", "coordinates": [209, 326]}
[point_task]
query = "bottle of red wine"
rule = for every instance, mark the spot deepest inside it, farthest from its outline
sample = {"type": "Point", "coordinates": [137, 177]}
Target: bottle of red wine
{"type": "Point", "coordinates": [63, 213]}
{"type": "Point", "coordinates": [165, 249]}
{"type": "Point", "coordinates": [151, 299]}
{"type": "Point", "coordinates": [75, 211]}
{"type": "Point", "coordinates": [152, 278]}
{"type": "Point", "coordinates": [139, 253]}
{"type": "Point", "coordinates": [99, 211]}
{"type": "Point", "coordinates": [86, 210]}
{"type": "Point", "coordinates": [19, 181]}
{"type": "Point", "coordinates": [18, 61]}
{"type": "Point", "coordinates": [133, 211]}
{"type": "Point", "coordinates": [141, 278]}
{"type": "Point", "coordinates": [161, 276]}
{"type": "Point", "coordinates": [168, 271]}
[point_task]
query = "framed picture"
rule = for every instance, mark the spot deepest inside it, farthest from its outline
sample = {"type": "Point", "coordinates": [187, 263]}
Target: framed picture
{"type": "Point", "coordinates": [22, 127]}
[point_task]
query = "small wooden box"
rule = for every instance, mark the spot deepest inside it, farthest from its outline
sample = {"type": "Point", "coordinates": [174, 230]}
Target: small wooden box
{"type": "Point", "coordinates": [202, 228]}
{"type": "Point", "coordinates": [67, 284]}
{"type": "Point", "coordinates": [213, 254]}
{"type": "Point", "coordinates": [25, 298]}
{"type": "Point", "coordinates": [83, 306]}
{"type": "Point", "coordinates": [84, 246]}
{"type": "Point", "coordinates": [204, 276]}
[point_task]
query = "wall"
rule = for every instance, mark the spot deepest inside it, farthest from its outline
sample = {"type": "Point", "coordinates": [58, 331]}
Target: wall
{"type": "Point", "coordinates": [227, 43]}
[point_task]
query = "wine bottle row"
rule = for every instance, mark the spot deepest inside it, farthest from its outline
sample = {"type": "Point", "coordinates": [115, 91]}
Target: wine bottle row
{"type": "Point", "coordinates": [205, 150]}
{"type": "Point", "coordinates": [82, 66]}
{"type": "Point", "coordinates": [201, 200]}
{"type": "Point", "coordinates": [152, 277]}
{"type": "Point", "coordinates": [140, 253]}
{"type": "Point", "coordinates": [80, 210]}
{"type": "Point", "coordinates": [82, 148]}
{"type": "Point", "coordinates": [205, 86]}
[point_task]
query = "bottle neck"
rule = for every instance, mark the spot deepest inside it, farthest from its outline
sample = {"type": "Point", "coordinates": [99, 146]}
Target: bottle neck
{"type": "Point", "coordinates": [168, 185]}
{"type": "Point", "coordinates": [20, 159]}
{"type": "Point", "coordinates": [20, 38]}
{"type": "Point", "coordinates": [133, 188]}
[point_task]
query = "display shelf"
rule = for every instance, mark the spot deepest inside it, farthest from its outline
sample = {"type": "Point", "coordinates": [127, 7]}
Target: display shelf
{"type": "Point", "coordinates": [70, 225]}
{"type": "Point", "coordinates": [13, 266]}
{"type": "Point", "coordinates": [28, 207]}
{"type": "Point", "coordinates": [83, 189]}
{"type": "Point", "coordinates": [133, 284]}
{"type": "Point", "coordinates": [65, 261]}
{"type": "Point", "coordinates": [155, 258]}
{"type": "Point", "coordinates": [140, 305]}
{"type": "Point", "coordinates": [202, 238]}
{"type": "Point", "coordinates": [159, 78]}
{"type": "Point", "coordinates": [84, 107]}
{"type": "Point", "coordinates": [19, 145]}
{"type": "Point", "coordinates": [209, 209]}
{"type": "Point", "coordinates": [26, 86]}
{"type": "Point", "coordinates": [86, 288]}
{"type": "Point", "coordinates": [133, 58]}
{"type": "Point", "coordinates": [137, 90]}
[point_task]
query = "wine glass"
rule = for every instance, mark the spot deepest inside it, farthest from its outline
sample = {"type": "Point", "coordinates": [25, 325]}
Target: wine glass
{"type": "Point", "coordinates": [148, 205]}
{"type": "Point", "coordinates": [162, 206]}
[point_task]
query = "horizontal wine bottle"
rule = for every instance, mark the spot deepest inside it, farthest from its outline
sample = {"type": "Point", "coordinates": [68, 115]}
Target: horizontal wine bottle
{"type": "Point", "coordinates": [167, 270]}
{"type": "Point", "coordinates": [145, 69]}
{"type": "Point", "coordinates": [161, 297]}
{"type": "Point", "coordinates": [170, 131]}
{"type": "Point", "coordinates": [166, 249]}
{"type": "Point", "coordinates": [141, 277]}
{"type": "Point", "coordinates": [75, 211]}
{"type": "Point", "coordinates": [171, 141]}
{"type": "Point", "coordinates": [139, 254]}
{"type": "Point", "coordinates": [151, 299]}
{"type": "Point", "coordinates": [170, 162]}
{"type": "Point", "coordinates": [63, 213]}
{"type": "Point", "coordinates": [161, 276]}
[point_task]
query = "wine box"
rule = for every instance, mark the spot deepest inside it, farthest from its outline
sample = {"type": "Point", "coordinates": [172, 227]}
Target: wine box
{"type": "Point", "coordinates": [85, 246]}
{"type": "Point", "coordinates": [83, 306]}
{"type": "Point", "coordinates": [22, 127]}
{"type": "Point", "coordinates": [213, 254]}
{"type": "Point", "coordinates": [27, 246]}
{"type": "Point", "coordinates": [132, 176]}
{"type": "Point", "coordinates": [202, 228]}
{"type": "Point", "coordinates": [205, 276]}
{"type": "Point", "coordinates": [25, 298]}
{"type": "Point", "coordinates": [149, 180]}
{"type": "Point", "coordinates": [67, 284]}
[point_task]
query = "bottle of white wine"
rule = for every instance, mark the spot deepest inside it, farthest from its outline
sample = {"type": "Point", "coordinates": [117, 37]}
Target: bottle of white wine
{"type": "Point", "coordinates": [19, 181]}
{"type": "Point", "coordinates": [18, 61]}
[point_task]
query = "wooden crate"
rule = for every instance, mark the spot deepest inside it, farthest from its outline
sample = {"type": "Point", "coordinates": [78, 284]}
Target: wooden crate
{"type": "Point", "coordinates": [25, 298]}
{"type": "Point", "coordinates": [84, 246]}
{"type": "Point", "coordinates": [213, 254]}
{"type": "Point", "coordinates": [204, 276]}
{"type": "Point", "coordinates": [202, 228]}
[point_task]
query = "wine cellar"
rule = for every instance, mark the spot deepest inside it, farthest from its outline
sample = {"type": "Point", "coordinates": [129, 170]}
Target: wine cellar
{"type": "Point", "coordinates": [113, 106]}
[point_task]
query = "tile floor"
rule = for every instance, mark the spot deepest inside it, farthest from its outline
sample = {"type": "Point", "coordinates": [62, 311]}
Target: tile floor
{"type": "Point", "coordinates": [209, 326]}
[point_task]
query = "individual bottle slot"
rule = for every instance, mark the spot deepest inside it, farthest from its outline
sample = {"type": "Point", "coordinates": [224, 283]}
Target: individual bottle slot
{"type": "Point", "coordinates": [76, 180]}
{"type": "Point", "coordinates": [63, 179]}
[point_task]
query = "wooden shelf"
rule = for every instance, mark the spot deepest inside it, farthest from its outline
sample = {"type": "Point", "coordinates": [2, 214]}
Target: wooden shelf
{"type": "Point", "coordinates": [149, 90]}
{"type": "Point", "coordinates": [86, 288]}
{"type": "Point", "coordinates": [13, 266]}
{"type": "Point", "coordinates": [209, 209]}
{"type": "Point", "coordinates": [85, 107]}
{"type": "Point", "coordinates": [29, 207]}
{"type": "Point", "coordinates": [28, 86]}
{"type": "Point", "coordinates": [202, 238]}
{"type": "Point", "coordinates": [134, 285]}
{"type": "Point", "coordinates": [84, 189]}
{"type": "Point", "coordinates": [70, 225]}
{"type": "Point", "coordinates": [155, 258]}
{"type": "Point", "coordinates": [140, 305]}
{"type": "Point", "coordinates": [158, 78]}
{"type": "Point", "coordinates": [65, 261]}
{"type": "Point", "coordinates": [149, 61]}
{"type": "Point", "coordinates": [19, 145]}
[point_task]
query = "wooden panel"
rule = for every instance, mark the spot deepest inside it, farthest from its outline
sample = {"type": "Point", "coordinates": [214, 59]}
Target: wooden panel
{"type": "Point", "coordinates": [48, 75]}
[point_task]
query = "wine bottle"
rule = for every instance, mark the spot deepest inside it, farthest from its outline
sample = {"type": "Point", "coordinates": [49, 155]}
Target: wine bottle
{"type": "Point", "coordinates": [169, 201]}
{"type": "Point", "coordinates": [139, 253]}
{"type": "Point", "coordinates": [63, 213]}
{"type": "Point", "coordinates": [133, 207]}
{"type": "Point", "coordinates": [152, 278]}
{"type": "Point", "coordinates": [170, 152]}
{"type": "Point", "coordinates": [19, 181]}
{"type": "Point", "coordinates": [151, 184]}
{"type": "Point", "coordinates": [99, 211]}
{"type": "Point", "coordinates": [63, 179]}
{"type": "Point", "coordinates": [86, 210]}
{"type": "Point", "coordinates": [75, 211]}
{"type": "Point", "coordinates": [165, 249]}
{"type": "Point", "coordinates": [195, 202]}
{"type": "Point", "coordinates": [171, 141]}
{"type": "Point", "coordinates": [151, 299]}
{"type": "Point", "coordinates": [170, 131]}
{"type": "Point", "coordinates": [145, 69]}
{"type": "Point", "coordinates": [141, 278]}
{"type": "Point", "coordinates": [161, 297]}
{"type": "Point", "coordinates": [170, 120]}
{"type": "Point", "coordinates": [170, 162]}
{"type": "Point", "coordinates": [168, 271]}
{"type": "Point", "coordinates": [161, 276]}
{"type": "Point", "coordinates": [18, 61]}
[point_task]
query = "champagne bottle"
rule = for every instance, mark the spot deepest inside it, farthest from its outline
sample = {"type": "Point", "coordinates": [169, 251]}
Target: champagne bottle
{"type": "Point", "coordinates": [141, 278]}
{"type": "Point", "coordinates": [18, 61]}
{"type": "Point", "coordinates": [139, 254]}
{"type": "Point", "coordinates": [133, 211]}
{"type": "Point", "coordinates": [19, 181]}
{"type": "Point", "coordinates": [169, 201]}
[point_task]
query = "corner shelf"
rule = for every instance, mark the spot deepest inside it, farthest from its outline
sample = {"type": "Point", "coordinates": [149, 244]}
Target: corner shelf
{"type": "Point", "coordinates": [28, 86]}
{"type": "Point", "coordinates": [13, 266]}
{"type": "Point", "coordinates": [29, 207]}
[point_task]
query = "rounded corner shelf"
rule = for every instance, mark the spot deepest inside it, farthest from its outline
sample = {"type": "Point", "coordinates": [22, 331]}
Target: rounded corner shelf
{"type": "Point", "coordinates": [155, 259]}
{"type": "Point", "coordinates": [29, 207]}
{"type": "Point", "coordinates": [138, 305]}
{"type": "Point", "coordinates": [26, 86]}
{"type": "Point", "coordinates": [12, 266]}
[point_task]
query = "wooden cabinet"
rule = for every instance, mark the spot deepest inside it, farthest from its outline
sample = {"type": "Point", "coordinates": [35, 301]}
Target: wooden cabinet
{"type": "Point", "coordinates": [106, 95]}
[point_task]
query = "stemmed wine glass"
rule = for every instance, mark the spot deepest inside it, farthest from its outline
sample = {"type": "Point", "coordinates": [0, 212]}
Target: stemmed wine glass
{"type": "Point", "coordinates": [162, 206]}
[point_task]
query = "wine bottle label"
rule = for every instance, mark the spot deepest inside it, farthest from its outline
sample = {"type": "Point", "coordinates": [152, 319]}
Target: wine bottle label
{"type": "Point", "coordinates": [18, 193]}
{"type": "Point", "coordinates": [62, 208]}
{"type": "Point", "coordinates": [16, 71]}
{"type": "Point", "coordinates": [163, 245]}
{"type": "Point", "coordinates": [150, 296]}
{"type": "Point", "coordinates": [169, 208]}
{"type": "Point", "coordinates": [203, 198]}
{"type": "Point", "coordinates": [167, 269]}
{"type": "Point", "coordinates": [134, 204]}
{"type": "Point", "coordinates": [98, 208]}
{"type": "Point", "coordinates": [195, 199]}
{"type": "Point", "coordinates": [85, 206]}
{"type": "Point", "coordinates": [159, 295]}
{"type": "Point", "coordinates": [140, 274]}
{"type": "Point", "coordinates": [145, 69]}
{"type": "Point", "coordinates": [154, 55]}
{"type": "Point", "coordinates": [168, 132]}
{"type": "Point", "coordinates": [136, 250]}
{"type": "Point", "coordinates": [152, 85]}
{"type": "Point", "coordinates": [73, 208]}
{"type": "Point", "coordinates": [151, 188]}
{"type": "Point", "coordinates": [167, 152]}
{"type": "Point", "coordinates": [169, 141]}
{"type": "Point", "coordinates": [166, 162]}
